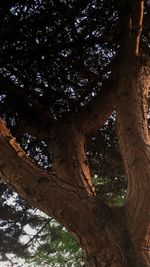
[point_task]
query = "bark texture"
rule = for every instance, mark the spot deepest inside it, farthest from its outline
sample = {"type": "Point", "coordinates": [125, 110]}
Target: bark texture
{"type": "Point", "coordinates": [109, 237]}
{"type": "Point", "coordinates": [133, 135]}
{"type": "Point", "coordinates": [68, 196]}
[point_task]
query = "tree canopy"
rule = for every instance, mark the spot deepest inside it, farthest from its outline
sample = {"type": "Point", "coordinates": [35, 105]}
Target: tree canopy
{"type": "Point", "coordinates": [59, 60]}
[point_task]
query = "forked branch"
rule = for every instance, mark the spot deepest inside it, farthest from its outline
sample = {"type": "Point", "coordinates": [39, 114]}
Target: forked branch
{"type": "Point", "coordinates": [35, 185]}
{"type": "Point", "coordinates": [70, 205]}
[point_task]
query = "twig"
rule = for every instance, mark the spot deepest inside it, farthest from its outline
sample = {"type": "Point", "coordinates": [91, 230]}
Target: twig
{"type": "Point", "coordinates": [37, 234]}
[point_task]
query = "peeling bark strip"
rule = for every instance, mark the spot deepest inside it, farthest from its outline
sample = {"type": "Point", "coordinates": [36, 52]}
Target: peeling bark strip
{"type": "Point", "coordinates": [133, 135]}
{"type": "Point", "coordinates": [137, 24]}
{"type": "Point", "coordinates": [131, 23]}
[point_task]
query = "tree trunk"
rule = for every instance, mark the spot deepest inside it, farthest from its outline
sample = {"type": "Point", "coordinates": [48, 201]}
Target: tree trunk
{"type": "Point", "coordinates": [100, 234]}
{"type": "Point", "coordinates": [118, 250]}
{"type": "Point", "coordinates": [133, 135]}
{"type": "Point", "coordinates": [108, 237]}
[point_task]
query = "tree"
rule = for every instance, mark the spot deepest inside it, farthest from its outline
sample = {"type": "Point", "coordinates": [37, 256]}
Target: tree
{"type": "Point", "coordinates": [66, 68]}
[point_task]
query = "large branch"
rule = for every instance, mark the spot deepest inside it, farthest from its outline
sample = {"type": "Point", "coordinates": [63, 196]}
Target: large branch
{"type": "Point", "coordinates": [42, 190]}
{"type": "Point", "coordinates": [95, 114]}
{"type": "Point", "coordinates": [70, 205]}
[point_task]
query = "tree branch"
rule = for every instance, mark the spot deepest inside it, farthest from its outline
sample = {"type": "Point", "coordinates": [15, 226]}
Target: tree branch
{"type": "Point", "coordinates": [36, 236]}
{"type": "Point", "coordinates": [8, 86]}
{"type": "Point", "coordinates": [71, 206]}
{"type": "Point", "coordinates": [34, 128]}
{"type": "Point", "coordinates": [131, 22]}
{"type": "Point", "coordinates": [94, 115]}
{"type": "Point", "coordinates": [42, 190]}
{"type": "Point", "coordinates": [138, 12]}
{"type": "Point", "coordinates": [35, 119]}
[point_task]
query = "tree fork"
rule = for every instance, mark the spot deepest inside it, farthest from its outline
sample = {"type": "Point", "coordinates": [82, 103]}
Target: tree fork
{"type": "Point", "coordinates": [94, 225]}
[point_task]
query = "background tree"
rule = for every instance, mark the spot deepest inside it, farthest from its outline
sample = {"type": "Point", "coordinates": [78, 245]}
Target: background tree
{"type": "Point", "coordinates": [67, 66]}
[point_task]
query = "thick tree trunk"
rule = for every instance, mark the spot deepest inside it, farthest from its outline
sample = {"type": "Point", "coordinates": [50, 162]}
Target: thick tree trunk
{"type": "Point", "coordinates": [133, 135]}
{"type": "Point", "coordinates": [108, 237]}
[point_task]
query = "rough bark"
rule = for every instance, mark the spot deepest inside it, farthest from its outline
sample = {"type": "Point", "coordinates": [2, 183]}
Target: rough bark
{"type": "Point", "coordinates": [133, 135]}
{"type": "Point", "coordinates": [68, 197]}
